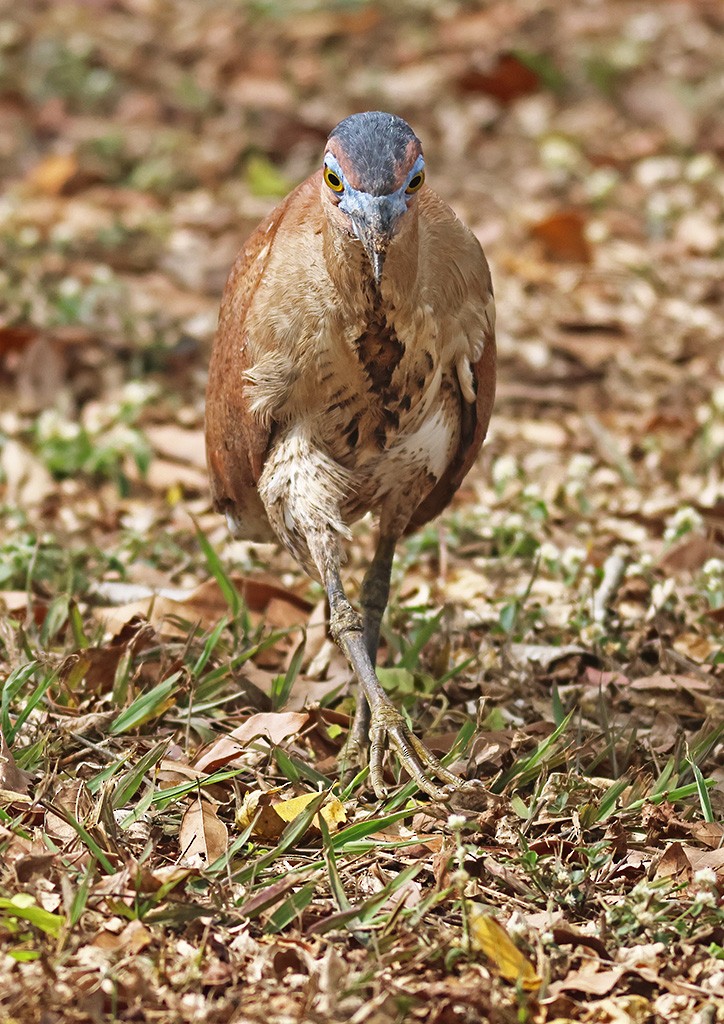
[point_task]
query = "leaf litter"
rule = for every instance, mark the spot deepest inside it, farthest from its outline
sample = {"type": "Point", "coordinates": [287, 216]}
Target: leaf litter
{"type": "Point", "coordinates": [176, 842]}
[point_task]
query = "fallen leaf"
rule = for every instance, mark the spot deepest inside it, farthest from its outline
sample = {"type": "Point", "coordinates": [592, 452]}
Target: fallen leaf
{"type": "Point", "coordinates": [563, 237]}
{"type": "Point", "coordinates": [490, 938]}
{"type": "Point", "coordinates": [274, 726]}
{"type": "Point", "coordinates": [51, 175]}
{"type": "Point", "coordinates": [543, 654]}
{"type": "Point", "coordinates": [206, 604]}
{"type": "Point", "coordinates": [332, 810]}
{"type": "Point", "coordinates": [12, 778]}
{"type": "Point", "coordinates": [588, 980]}
{"type": "Point", "coordinates": [507, 80]}
{"type": "Point", "coordinates": [674, 865]}
{"type": "Point", "coordinates": [270, 815]}
{"type": "Point", "coordinates": [203, 836]}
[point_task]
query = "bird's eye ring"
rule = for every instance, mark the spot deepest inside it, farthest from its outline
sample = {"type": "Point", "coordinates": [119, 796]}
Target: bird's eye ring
{"type": "Point", "coordinates": [415, 183]}
{"type": "Point", "coordinates": [333, 180]}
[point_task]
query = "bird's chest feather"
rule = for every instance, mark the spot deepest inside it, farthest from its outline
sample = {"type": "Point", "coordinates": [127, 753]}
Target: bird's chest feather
{"type": "Point", "coordinates": [392, 406]}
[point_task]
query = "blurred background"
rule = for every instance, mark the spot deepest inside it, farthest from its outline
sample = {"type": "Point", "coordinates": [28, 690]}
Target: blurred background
{"type": "Point", "coordinates": [142, 140]}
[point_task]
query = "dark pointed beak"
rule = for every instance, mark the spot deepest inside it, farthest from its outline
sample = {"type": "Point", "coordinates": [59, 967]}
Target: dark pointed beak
{"type": "Point", "coordinates": [376, 228]}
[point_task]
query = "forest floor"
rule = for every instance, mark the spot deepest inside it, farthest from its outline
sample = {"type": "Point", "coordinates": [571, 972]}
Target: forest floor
{"type": "Point", "coordinates": [175, 844]}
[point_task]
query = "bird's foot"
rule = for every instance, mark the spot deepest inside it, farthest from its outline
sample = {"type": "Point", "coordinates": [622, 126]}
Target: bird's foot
{"type": "Point", "coordinates": [389, 728]}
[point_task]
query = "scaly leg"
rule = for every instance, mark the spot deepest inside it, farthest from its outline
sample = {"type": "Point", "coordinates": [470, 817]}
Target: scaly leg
{"type": "Point", "coordinates": [386, 722]}
{"type": "Point", "coordinates": [373, 598]}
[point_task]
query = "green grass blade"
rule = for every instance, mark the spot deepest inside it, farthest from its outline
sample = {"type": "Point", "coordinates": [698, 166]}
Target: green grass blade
{"type": "Point", "coordinates": [411, 655]}
{"type": "Point", "coordinates": [231, 595]}
{"type": "Point", "coordinates": [527, 768]}
{"type": "Point", "coordinates": [362, 829]}
{"type": "Point", "coordinates": [703, 792]}
{"type": "Point", "coordinates": [146, 706]}
{"type": "Point", "coordinates": [291, 909]}
{"type": "Point", "coordinates": [128, 784]}
{"type": "Point", "coordinates": [282, 685]}
{"type": "Point", "coordinates": [209, 647]}
{"type": "Point", "coordinates": [335, 882]}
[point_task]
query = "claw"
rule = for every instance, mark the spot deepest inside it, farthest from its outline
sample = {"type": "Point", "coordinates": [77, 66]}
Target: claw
{"type": "Point", "coordinates": [419, 762]}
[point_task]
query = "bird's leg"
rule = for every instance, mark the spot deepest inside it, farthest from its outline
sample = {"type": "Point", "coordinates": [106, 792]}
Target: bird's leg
{"type": "Point", "coordinates": [373, 598]}
{"type": "Point", "coordinates": [375, 593]}
{"type": "Point", "coordinates": [347, 629]}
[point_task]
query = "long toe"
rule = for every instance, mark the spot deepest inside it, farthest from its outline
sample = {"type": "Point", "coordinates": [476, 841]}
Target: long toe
{"type": "Point", "coordinates": [388, 728]}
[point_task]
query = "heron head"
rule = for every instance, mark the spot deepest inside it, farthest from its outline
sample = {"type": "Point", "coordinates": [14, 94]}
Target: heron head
{"type": "Point", "coordinates": [373, 169]}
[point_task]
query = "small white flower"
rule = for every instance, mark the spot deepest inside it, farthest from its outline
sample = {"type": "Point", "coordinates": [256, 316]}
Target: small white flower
{"type": "Point", "coordinates": [713, 567]}
{"type": "Point", "coordinates": [579, 466]}
{"type": "Point", "coordinates": [572, 558]}
{"type": "Point", "coordinates": [704, 898]}
{"type": "Point", "coordinates": [660, 594]}
{"type": "Point", "coordinates": [102, 274]}
{"type": "Point", "coordinates": [69, 287]}
{"type": "Point", "coordinates": [517, 925]}
{"type": "Point", "coordinates": [549, 552]}
{"type": "Point", "coordinates": [455, 822]}
{"type": "Point", "coordinates": [683, 521]}
{"type": "Point", "coordinates": [705, 876]}
{"type": "Point", "coordinates": [138, 392]}
{"type": "Point", "coordinates": [28, 236]}
{"type": "Point", "coordinates": [504, 469]}
{"type": "Point", "coordinates": [574, 490]}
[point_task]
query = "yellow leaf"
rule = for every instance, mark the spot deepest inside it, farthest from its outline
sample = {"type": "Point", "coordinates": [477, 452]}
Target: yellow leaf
{"type": "Point", "coordinates": [53, 173]}
{"type": "Point", "coordinates": [332, 811]}
{"type": "Point", "coordinates": [270, 816]}
{"type": "Point", "coordinates": [488, 937]}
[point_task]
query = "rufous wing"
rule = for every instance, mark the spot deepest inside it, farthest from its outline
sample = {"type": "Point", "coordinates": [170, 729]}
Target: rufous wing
{"type": "Point", "coordinates": [474, 426]}
{"type": "Point", "coordinates": [236, 440]}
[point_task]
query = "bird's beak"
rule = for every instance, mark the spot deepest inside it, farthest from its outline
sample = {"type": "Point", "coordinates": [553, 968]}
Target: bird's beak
{"type": "Point", "coordinates": [376, 225]}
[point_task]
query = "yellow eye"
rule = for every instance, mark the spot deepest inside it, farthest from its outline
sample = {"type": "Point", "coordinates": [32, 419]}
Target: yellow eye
{"type": "Point", "coordinates": [415, 183]}
{"type": "Point", "coordinates": [333, 180]}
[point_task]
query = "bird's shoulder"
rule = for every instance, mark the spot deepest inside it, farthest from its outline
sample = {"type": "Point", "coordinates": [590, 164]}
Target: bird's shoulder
{"type": "Point", "coordinates": [452, 251]}
{"type": "Point", "coordinates": [290, 225]}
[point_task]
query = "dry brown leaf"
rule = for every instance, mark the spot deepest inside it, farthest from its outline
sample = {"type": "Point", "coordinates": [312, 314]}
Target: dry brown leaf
{"type": "Point", "coordinates": [15, 338]}
{"type": "Point", "coordinates": [274, 726]}
{"type": "Point", "coordinates": [711, 833]}
{"type": "Point", "coordinates": [178, 443]}
{"type": "Point", "coordinates": [27, 481]}
{"type": "Point", "coordinates": [674, 865]}
{"type": "Point", "coordinates": [589, 980]}
{"type": "Point", "coordinates": [206, 604]}
{"type": "Point", "coordinates": [563, 237]}
{"type": "Point", "coordinates": [12, 778]}
{"type": "Point", "coordinates": [690, 554]}
{"type": "Point", "coordinates": [507, 80]}
{"type": "Point", "coordinates": [75, 798]}
{"type": "Point", "coordinates": [203, 836]}
{"type": "Point", "coordinates": [131, 940]}
{"type": "Point", "coordinates": [712, 859]}
{"type": "Point", "coordinates": [224, 751]}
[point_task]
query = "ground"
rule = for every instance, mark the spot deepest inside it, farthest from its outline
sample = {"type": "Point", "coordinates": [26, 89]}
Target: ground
{"type": "Point", "coordinates": [175, 842]}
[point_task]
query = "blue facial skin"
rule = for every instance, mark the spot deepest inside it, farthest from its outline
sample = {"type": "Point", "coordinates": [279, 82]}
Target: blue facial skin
{"type": "Point", "coordinates": [374, 218]}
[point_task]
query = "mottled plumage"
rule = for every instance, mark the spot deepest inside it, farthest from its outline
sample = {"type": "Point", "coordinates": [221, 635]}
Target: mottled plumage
{"type": "Point", "coordinates": [353, 371]}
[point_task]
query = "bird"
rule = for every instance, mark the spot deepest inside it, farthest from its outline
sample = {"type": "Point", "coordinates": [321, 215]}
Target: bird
{"type": "Point", "coordinates": [353, 371]}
